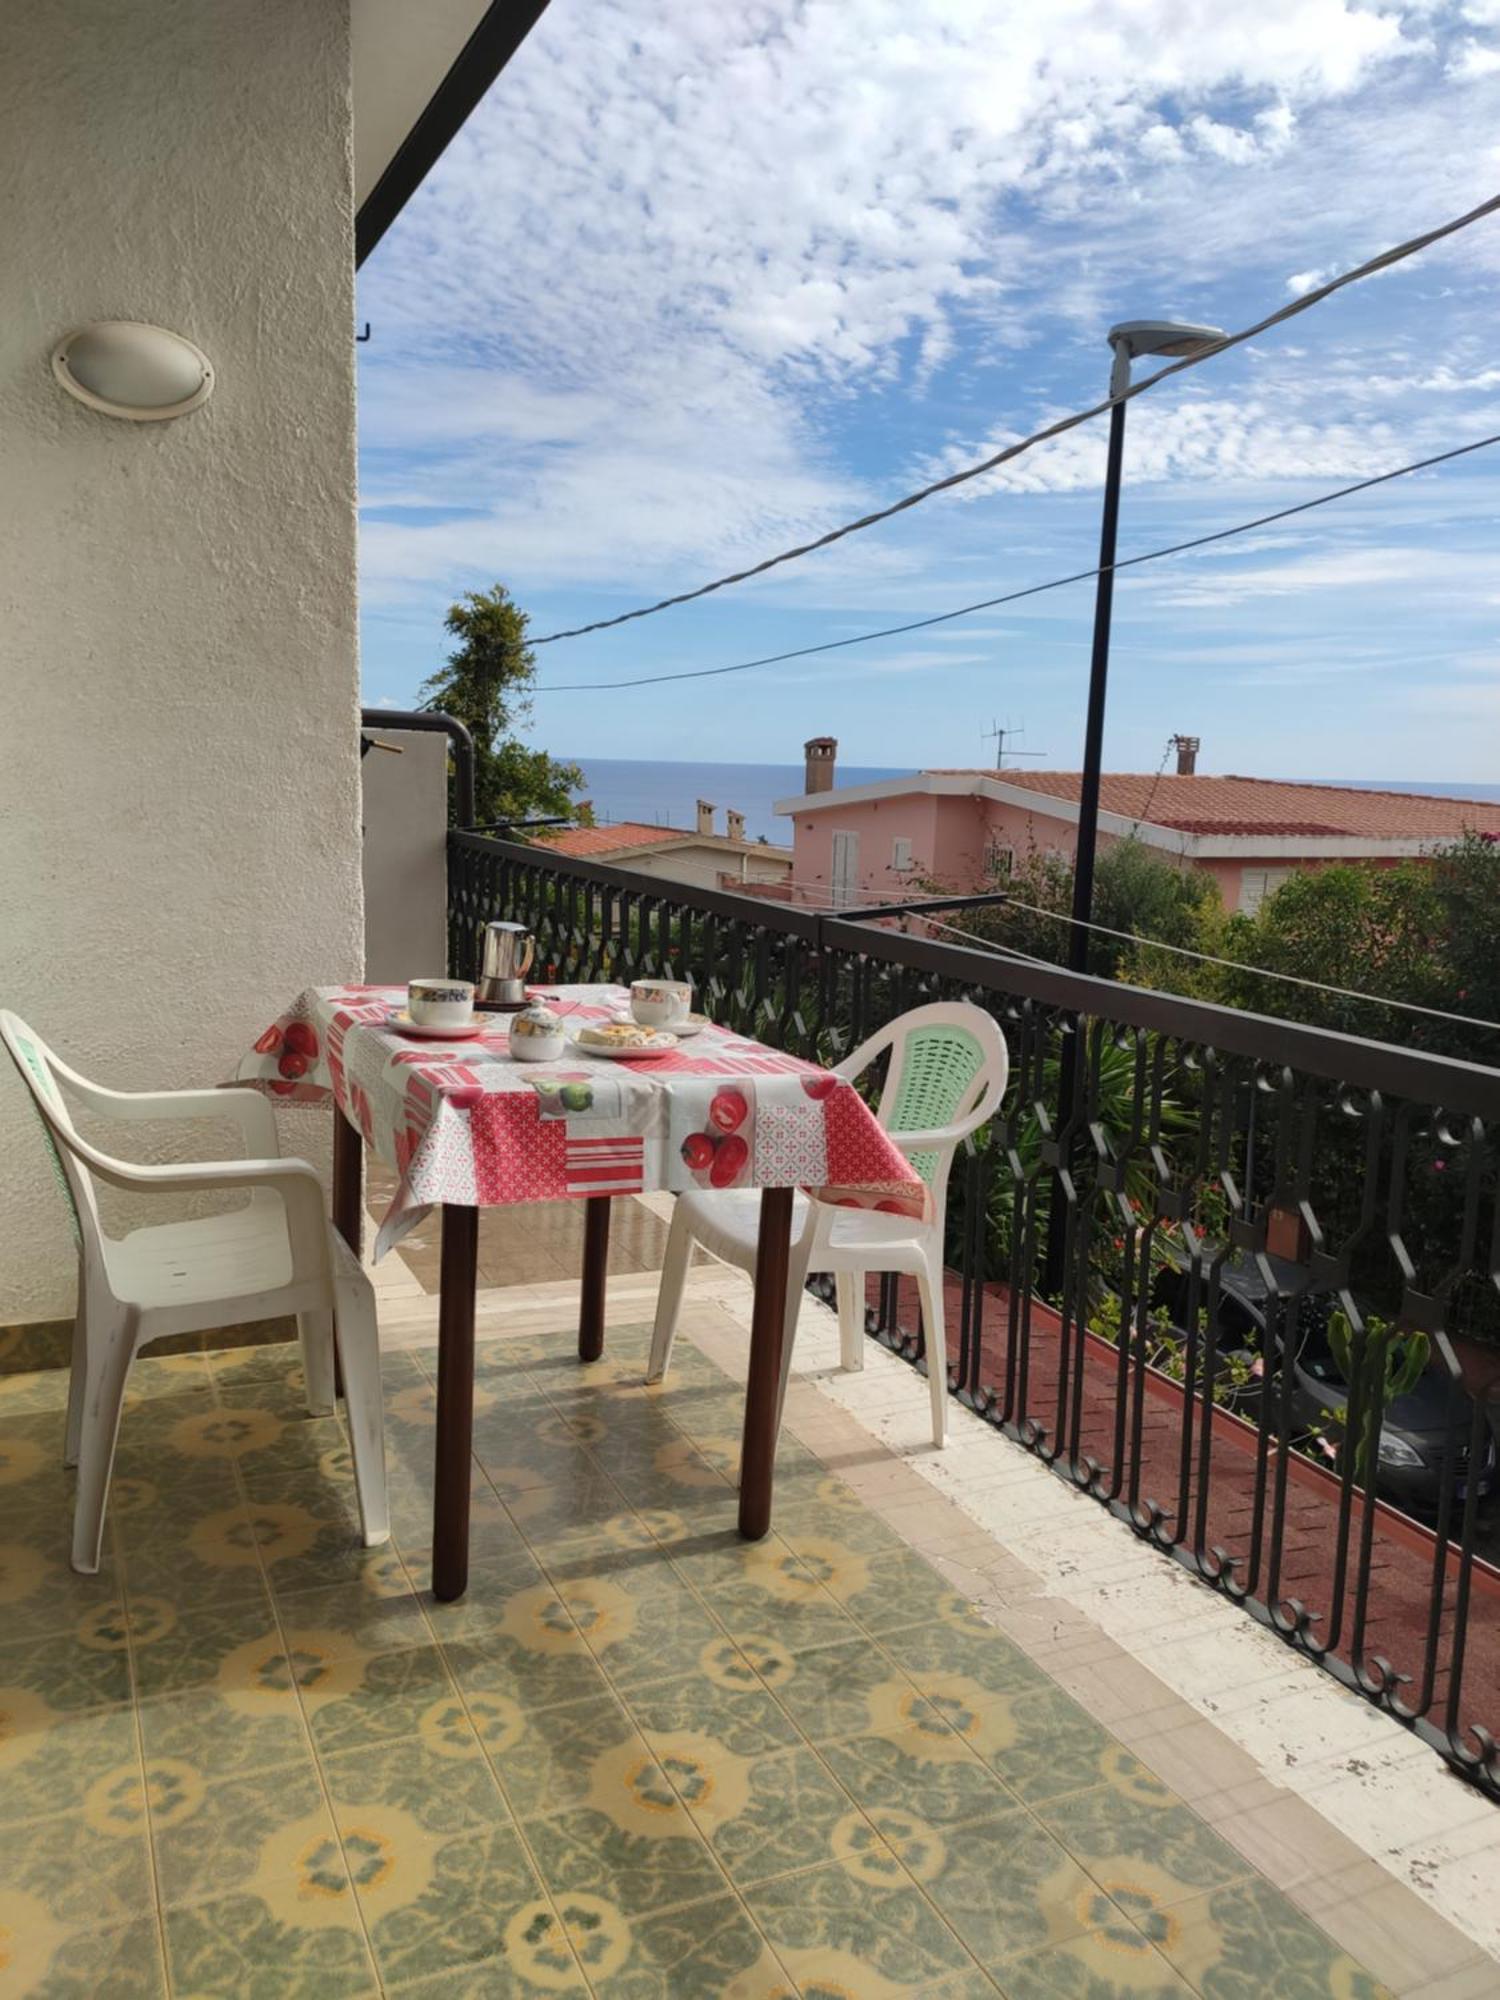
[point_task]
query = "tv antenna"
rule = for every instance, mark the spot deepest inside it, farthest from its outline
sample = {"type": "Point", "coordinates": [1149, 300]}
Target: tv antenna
{"type": "Point", "coordinates": [1002, 732]}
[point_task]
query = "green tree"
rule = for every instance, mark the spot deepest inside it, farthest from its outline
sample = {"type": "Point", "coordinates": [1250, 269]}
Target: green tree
{"type": "Point", "coordinates": [1466, 882]}
{"type": "Point", "coordinates": [1135, 890]}
{"type": "Point", "coordinates": [486, 682]}
{"type": "Point", "coordinates": [1373, 930]}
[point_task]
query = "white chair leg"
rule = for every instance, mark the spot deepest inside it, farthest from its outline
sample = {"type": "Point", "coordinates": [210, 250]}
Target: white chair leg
{"type": "Point", "coordinates": [359, 1352]}
{"type": "Point", "coordinates": [78, 1376]}
{"type": "Point", "coordinates": [796, 1281]}
{"type": "Point", "coordinates": [674, 1268]}
{"type": "Point", "coordinates": [315, 1338]}
{"type": "Point", "coordinates": [935, 1334]}
{"type": "Point", "coordinates": [851, 1297]}
{"type": "Point", "coordinates": [112, 1343]}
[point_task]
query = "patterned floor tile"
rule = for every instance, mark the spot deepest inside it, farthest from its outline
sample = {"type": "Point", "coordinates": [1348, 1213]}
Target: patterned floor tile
{"type": "Point", "coordinates": [1248, 1940]}
{"type": "Point", "coordinates": [1051, 1746]}
{"type": "Point", "coordinates": [842, 1690]}
{"type": "Point", "coordinates": [85, 1667]}
{"type": "Point", "coordinates": [778, 1595]}
{"type": "Point", "coordinates": [304, 1944]}
{"type": "Point", "coordinates": [376, 1611]}
{"type": "Point", "coordinates": [544, 1757]}
{"type": "Point", "coordinates": [354, 1701]}
{"type": "Point", "coordinates": [556, 1968]}
{"type": "Point", "coordinates": [971, 1985]}
{"type": "Point", "coordinates": [641, 1621]}
{"type": "Point", "coordinates": [832, 1929]}
{"type": "Point", "coordinates": [531, 1643]}
{"type": "Point", "coordinates": [39, 1593]}
{"type": "Point", "coordinates": [1004, 1884]}
{"type": "Point", "coordinates": [922, 1765]}
{"type": "Point", "coordinates": [638, 1843]}
{"type": "Point", "coordinates": [1137, 1840]}
{"type": "Point", "coordinates": [226, 1738]}
{"type": "Point", "coordinates": [210, 1839]}
{"type": "Point", "coordinates": [728, 1698]}
{"type": "Point", "coordinates": [86, 1868]}
{"type": "Point", "coordinates": [1099, 1965]}
{"type": "Point", "coordinates": [710, 1948]}
{"type": "Point", "coordinates": [31, 1391]}
{"type": "Point", "coordinates": [184, 1647]}
{"type": "Point", "coordinates": [762, 1816]}
{"type": "Point", "coordinates": [896, 1591]}
{"type": "Point", "coordinates": [640, 1758]}
{"type": "Point", "coordinates": [33, 1478]}
{"type": "Point", "coordinates": [438, 1868]}
{"type": "Point", "coordinates": [51, 1758]}
{"type": "Point", "coordinates": [987, 1659]}
{"type": "Point", "coordinates": [124, 1962]}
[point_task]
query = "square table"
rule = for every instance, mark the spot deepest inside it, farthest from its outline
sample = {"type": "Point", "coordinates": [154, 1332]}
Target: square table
{"type": "Point", "coordinates": [468, 1127]}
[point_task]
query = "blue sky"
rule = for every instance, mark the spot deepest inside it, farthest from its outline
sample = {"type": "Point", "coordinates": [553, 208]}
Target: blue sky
{"type": "Point", "coordinates": [696, 282]}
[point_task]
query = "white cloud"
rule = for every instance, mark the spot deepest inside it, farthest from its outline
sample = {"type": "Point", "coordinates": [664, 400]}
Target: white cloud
{"type": "Point", "coordinates": [1247, 439]}
{"type": "Point", "coordinates": [618, 327]}
{"type": "Point", "coordinates": [1475, 59]}
{"type": "Point", "coordinates": [1404, 571]}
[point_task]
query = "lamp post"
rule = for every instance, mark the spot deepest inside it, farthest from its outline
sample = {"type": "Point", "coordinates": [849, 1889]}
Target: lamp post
{"type": "Point", "coordinates": [1130, 338]}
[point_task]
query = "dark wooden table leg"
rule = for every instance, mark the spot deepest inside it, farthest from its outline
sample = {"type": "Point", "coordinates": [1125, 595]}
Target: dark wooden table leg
{"type": "Point", "coordinates": [348, 1181]}
{"type": "Point", "coordinates": [348, 1203]}
{"type": "Point", "coordinates": [455, 1404]}
{"type": "Point", "coordinates": [767, 1324]}
{"type": "Point", "coordinates": [595, 1265]}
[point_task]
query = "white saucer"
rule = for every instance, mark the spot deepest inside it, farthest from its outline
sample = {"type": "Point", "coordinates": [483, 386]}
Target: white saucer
{"type": "Point", "coordinates": [403, 1024]}
{"type": "Point", "coordinates": [663, 1046]}
{"type": "Point", "coordinates": [694, 1024]}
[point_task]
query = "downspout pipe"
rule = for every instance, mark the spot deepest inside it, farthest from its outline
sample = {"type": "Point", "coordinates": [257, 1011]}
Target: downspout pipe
{"type": "Point", "coordinates": [458, 735]}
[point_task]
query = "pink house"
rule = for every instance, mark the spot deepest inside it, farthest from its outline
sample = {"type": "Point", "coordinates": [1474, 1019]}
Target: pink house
{"type": "Point", "coordinates": [961, 829]}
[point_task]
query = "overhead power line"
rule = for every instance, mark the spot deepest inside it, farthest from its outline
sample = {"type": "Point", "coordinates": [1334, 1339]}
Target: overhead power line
{"type": "Point", "coordinates": [1259, 971]}
{"type": "Point", "coordinates": [1369, 269]}
{"type": "Point", "coordinates": [1030, 590]}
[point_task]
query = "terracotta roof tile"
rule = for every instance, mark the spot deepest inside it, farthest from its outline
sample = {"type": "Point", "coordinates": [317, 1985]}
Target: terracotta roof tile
{"type": "Point", "coordinates": [581, 840]}
{"type": "Point", "coordinates": [1276, 806]}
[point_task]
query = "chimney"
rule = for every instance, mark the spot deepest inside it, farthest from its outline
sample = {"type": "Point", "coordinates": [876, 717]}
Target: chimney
{"type": "Point", "coordinates": [734, 825]}
{"type": "Point", "coordinates": [820, 752]}
{"type": "Point", "coordinates": [1187, 755]}
{"type": "Point", "coordinates": [705, 816]}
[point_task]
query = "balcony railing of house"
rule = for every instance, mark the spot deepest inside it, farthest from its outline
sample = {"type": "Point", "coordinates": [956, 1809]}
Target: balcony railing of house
{"type": "Point", "coordinates": [1259, 1234]}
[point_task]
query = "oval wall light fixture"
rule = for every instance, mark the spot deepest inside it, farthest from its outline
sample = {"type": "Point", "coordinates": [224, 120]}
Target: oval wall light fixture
{"type": "Point", "coordinates": [125, 368]}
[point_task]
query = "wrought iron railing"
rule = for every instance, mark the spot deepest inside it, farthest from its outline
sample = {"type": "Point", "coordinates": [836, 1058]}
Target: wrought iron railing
{"type": "Point", "coordinates": [1259, 1233]}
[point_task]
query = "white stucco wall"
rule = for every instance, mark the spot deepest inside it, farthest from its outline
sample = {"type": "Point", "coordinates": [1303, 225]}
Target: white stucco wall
{"type": "Point", "coordinates": [179, 787]}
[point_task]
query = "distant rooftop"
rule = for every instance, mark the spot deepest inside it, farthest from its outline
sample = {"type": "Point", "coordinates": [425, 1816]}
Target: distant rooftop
{"type": "Point", "coordinates": [1279, 806]}
{"type": "Point", "coordinates": [632, 836]}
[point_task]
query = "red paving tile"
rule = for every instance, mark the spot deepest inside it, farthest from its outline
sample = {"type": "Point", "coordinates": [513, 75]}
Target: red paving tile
{"type": "Point", "coordinates": [1401, 1570]}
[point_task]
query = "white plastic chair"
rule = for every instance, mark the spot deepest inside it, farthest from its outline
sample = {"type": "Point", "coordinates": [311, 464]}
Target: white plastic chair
{"type": "Point", "coordinates": [276, 1254]}
{"type": "Point", "coordinates": [947, 1075]}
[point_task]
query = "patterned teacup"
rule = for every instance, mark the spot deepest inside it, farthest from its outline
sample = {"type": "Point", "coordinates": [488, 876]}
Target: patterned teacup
{"type": "Point", "coordinates": [440, 1003]}
{"type": "Point", "coordinates": [659, 1003]}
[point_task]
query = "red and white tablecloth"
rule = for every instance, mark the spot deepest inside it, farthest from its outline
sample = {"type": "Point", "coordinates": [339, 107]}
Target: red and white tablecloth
{"type": "Point", "coordinates": [463, 1122]}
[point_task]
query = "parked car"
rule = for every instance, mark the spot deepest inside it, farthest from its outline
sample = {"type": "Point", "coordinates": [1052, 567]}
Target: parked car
{"type": "Point", "coordinates": [1415, 1438]}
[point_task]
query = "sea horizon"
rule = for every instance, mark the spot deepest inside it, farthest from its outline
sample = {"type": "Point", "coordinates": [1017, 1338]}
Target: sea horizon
{"type": "Point", "coordinates": [664, 791]}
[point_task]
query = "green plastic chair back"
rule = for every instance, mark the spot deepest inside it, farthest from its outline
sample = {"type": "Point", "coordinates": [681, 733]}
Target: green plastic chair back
{"type": "Point", "coordinates": [938, 1068]}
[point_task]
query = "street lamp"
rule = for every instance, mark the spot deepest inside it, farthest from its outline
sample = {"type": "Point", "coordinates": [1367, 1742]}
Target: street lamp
{"type": "Point", "coordinates": [1130, 338]}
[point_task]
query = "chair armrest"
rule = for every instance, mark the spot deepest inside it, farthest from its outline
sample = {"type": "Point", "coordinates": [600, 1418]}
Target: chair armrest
{"type": "Point", "coordinates": [294, 1181]}
{"type": "Point", "coordinates": [242, 1105]}
{"type": "Point", "coordinates": [927, 1142]}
